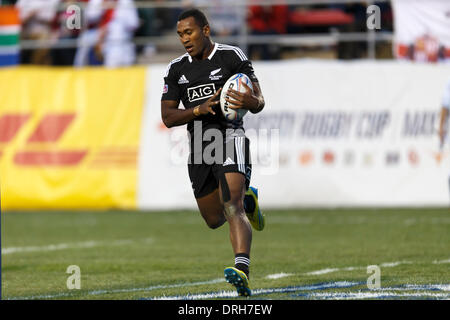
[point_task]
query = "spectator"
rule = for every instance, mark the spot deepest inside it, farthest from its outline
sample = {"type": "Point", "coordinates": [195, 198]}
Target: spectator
{"type": "Point", "coordinates": [227, 18]}
{"type": "Point", "coordinates": [64, 56]}
{"type": "Point", "coordinates": [85, 54]}
{"type": "Point", "coordinates": [355, 49]}
{"type": "Point", "coordinates": [110, 31]}
{"type": "Point", "coordinates": [268, 20]}
{"type": "Point", "coordinates": [115, 42]}
{"type": "Point", "coordinates": [37, 17]}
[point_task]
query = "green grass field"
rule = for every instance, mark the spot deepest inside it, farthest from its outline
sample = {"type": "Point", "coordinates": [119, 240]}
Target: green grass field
{"type": "Point", "coordinates": [302, 254]}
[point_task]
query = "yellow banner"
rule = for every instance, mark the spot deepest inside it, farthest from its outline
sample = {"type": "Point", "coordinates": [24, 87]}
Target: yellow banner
{"type": "Point", "coordinates": [69, 138]}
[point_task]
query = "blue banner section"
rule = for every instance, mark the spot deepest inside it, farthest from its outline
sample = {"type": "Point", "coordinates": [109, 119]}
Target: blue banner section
{"type": "Point", "coordinates": [9, 59]}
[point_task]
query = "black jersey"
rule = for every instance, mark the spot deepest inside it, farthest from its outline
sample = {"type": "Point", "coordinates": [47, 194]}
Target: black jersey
{"type": "Point", "coordinates": [194, 81]}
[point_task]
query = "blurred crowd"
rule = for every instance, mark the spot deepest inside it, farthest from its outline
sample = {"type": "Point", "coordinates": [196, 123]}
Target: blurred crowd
{"type": "Point", "coordinates": [108, 27]}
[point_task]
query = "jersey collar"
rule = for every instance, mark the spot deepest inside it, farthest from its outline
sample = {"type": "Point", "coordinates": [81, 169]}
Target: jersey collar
{"type": "Point", "coordinates": [210, 55]}
{"type": "Point", "coordinates": [213, 51]}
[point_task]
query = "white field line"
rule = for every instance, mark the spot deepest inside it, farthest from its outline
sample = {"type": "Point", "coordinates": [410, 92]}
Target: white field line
{"type": "Point", "coordinates": [441, 261]}
{"type": "Point", "coordinates": [75, 245]}
{"type": "Point", "coordinates": [417, 287]}
{"type": "Point", "coordinates": [225, 294]}
{"type": "Point", "coordinates": [330, 270]}
{"type": "Point", "coordinates": [322, 271]}
{"type": "Point", "coordinates": [384, 265]}
{"type": "Point", "coordinates": [255, 292]}
{"type": "Point", "coordinates": [112, 291]}
{"type": "Point", "coordinates": [279, 275]}
{"type": "Point", "coordinates": [374, 295]}
{"type": "Point", "coordinates": [378, 293]}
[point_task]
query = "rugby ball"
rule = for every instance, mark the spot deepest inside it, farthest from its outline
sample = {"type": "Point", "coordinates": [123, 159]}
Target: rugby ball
{"type": "Point", "coordinates": [235, 82]}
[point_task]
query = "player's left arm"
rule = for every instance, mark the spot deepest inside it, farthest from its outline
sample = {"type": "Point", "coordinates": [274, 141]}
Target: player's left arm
{"type": "Point", "coordinates": [251, 100]}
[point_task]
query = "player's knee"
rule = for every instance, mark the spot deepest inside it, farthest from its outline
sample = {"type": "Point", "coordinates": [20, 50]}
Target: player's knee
{"type": "Point", "coordinates": [233, 208]}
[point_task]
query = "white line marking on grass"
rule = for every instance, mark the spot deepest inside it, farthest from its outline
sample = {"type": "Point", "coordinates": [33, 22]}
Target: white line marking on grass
{"type": "Point", "coordinates": [64, 246]}
{"type": "Point", "coordinates": [220, 294]}
{"type": "Point", "coordinates": [417, 287]}
{"type": "Point", "coordinates": [200, 296]}
{"type": "Point", "coordinates": [112, 291]}
{"type": "Point", "coordinates": [322, 271]}
{"type": "Point", "coordinates": [256, 292]}
{"type": "Point", "coordinates": [442, 287]}
{"type": "Point", "coordinates": [330, 270]}
{"type": "Point", "coordinates": [394, 264]}
{"type": "Point", "coordinates": [167, 286]}
{"type": "Point", "coordinates": [373, 295]}
{"type": "Point", "coordinates": [279, 275]}
{"type": "Point", "coordinates": [441, 261]}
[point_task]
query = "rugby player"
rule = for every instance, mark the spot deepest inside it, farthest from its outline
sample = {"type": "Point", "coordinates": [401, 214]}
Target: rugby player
{"type": "Point", "coordinates": [222, 188]}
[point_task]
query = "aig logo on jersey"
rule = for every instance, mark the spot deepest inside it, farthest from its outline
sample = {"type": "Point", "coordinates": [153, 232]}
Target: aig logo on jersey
{"type": "Point", "coordinates": [201, 92]}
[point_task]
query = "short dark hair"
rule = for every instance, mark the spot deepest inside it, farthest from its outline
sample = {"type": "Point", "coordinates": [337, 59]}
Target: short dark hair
{"type": "Point", "coordinates": [199, 17]}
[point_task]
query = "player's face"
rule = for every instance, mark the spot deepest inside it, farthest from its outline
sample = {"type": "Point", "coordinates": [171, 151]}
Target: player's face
{"type": "Point", "coordinates": [192, 36]}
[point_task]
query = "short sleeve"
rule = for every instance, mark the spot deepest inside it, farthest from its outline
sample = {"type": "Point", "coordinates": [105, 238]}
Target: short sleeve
{"type": "Point", "coordinates": [246, 67]}
{"type": "Point", "coordinates": [171, 90]}
{"type": "Point", "coordinates": [241, 64]}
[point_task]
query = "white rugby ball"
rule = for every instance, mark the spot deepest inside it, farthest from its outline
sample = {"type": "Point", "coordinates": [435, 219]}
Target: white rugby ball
{"type": "Point", "coordinates": [235, 83]}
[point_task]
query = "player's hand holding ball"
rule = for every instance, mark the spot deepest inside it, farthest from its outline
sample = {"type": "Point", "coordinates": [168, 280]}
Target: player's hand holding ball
{"type": "Point", "coordinates": [237, 97]}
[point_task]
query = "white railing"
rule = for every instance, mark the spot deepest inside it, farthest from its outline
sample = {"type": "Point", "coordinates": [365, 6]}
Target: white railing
{"type": "Point", "coordinates": [243, 39]}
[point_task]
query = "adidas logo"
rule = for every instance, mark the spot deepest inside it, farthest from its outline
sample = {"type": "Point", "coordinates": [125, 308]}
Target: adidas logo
{"type": "Point", "coordinates": [228, 162]}
{"type": "Point", "coordinates": [183, 80]}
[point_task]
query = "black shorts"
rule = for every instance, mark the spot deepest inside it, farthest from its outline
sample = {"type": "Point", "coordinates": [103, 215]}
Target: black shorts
{"type": "Point", "coordinates": [235, 157]}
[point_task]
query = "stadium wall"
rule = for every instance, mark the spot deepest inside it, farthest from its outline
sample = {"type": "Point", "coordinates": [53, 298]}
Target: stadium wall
{"type": "Point", "coordinates": [332, 134]}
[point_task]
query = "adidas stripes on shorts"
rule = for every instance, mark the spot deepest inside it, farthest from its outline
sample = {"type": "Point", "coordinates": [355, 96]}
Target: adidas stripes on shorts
{"type": "Point", "coordinates": [234, 157]}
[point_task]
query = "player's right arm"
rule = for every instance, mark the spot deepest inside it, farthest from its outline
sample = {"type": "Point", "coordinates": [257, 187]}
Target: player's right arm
{"type": "Point", "coordinates": [170, 113]}
{"type": "Point", "coordinates": [172, 116]}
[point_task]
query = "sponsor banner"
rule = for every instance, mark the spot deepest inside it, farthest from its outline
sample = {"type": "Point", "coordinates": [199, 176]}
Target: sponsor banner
{"type": "Point", "coordinates": [9, 36]}
{"type": "Point", "coordinates": [331, 134]}
{"type": "Point", "coordinates": [70, 138]}
{"type": "Point", "coordinates": [422, 30]}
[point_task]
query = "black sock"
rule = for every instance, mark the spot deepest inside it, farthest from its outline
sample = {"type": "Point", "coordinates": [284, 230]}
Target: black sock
{"type": "Point", "coordinates": [242, 262]}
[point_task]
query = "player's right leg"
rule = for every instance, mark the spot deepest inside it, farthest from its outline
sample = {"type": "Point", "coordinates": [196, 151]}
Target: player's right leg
{"type": "Point", "coordinates": [206, 194]}
{"type": "Point", "coordinates": [211, 209]}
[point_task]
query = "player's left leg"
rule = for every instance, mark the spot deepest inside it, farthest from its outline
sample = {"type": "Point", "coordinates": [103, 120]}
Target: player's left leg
{"type": "Point", "coordinates": [232, 190]}
{"type": "Point", "coordinates": [255, 216]}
